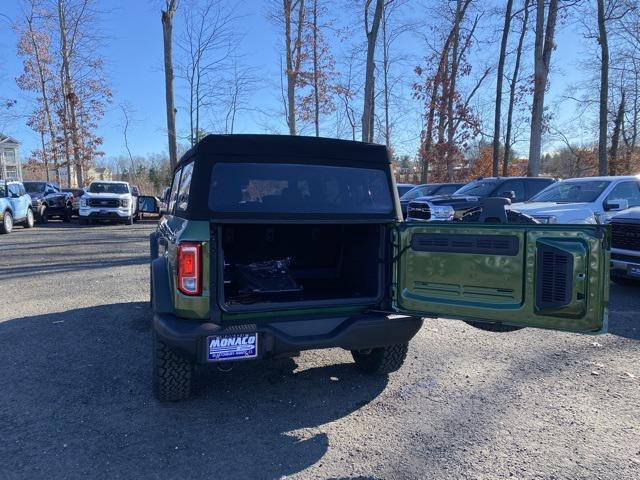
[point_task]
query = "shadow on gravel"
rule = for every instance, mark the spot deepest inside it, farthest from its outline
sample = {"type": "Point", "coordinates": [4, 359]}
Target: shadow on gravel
{"type": "Point", "coordinates": [52, 268]}
{"type": "Point", "coordinates": [623, 311]}
{"type": "Point", "coordinates": [76, 401]}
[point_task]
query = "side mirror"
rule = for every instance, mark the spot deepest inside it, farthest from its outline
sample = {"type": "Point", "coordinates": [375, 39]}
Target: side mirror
{"type": "Point", "coordinates": [616, 204]}
{"type": "Point", "coordinates": [148, 204]}
{"type": "Point", "coordinates": [510, 194]}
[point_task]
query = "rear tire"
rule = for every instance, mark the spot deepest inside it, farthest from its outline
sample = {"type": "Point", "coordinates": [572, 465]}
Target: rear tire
{"type": "Point", "coordinates": [382, 360]}
{"type": "Point", "coordinates": [30, 220]}
{"type": "Point", "coordinates": [68, 214]}
{"type": "Point", "coordinates": [6, 226]}
{"type": "Point", "coordinates": [172, 373]}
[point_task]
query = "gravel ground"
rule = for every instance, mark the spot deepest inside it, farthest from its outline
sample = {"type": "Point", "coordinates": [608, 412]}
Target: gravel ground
{"type": "Point", "coordinates": [76, 402]}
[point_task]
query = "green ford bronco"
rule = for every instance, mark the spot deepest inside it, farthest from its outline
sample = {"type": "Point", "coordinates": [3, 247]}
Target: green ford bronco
{"type": "Point", "coordinates": [274, 244]}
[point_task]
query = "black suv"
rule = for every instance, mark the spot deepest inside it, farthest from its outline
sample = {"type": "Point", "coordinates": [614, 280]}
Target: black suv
{"type": "Point", "coordinates": [448, 207]}
{"type": "Point", "coordinates": [48, 200]}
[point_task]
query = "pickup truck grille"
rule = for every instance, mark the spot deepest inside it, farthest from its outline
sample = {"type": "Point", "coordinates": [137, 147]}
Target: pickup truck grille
{"type": "Point", "coordinates": [104, 202]}
{"type": "Point", "coordinates": [626, 235]}
{"type": "Point", "coordinates": [419, 211]}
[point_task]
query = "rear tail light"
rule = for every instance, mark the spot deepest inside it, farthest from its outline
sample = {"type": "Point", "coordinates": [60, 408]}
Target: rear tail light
{"type": "Point", "coordinates": [190, 268]}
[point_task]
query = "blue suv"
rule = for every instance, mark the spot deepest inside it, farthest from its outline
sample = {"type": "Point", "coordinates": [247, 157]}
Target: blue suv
{"type": "Point", "coordinates": [15, 206]}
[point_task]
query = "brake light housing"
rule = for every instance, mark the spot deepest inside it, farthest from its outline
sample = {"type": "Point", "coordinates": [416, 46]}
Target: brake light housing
{"type": "Point", "coordinates": [190, 268]}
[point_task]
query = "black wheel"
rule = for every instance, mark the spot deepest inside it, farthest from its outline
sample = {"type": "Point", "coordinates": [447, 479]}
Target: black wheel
{"type": "Point", "coordinates": [129, 221]}
{"type": "Point", "coordinates": [43, 215]}
{"type": "Point", "coordinates": [83, 221]}
{"type": "Point", "coordinates": [172, 373]}
{"type": "Point", "coordinates": [624, 281]}
{"type": "Point", "coordinates": [381, 360]}
{"type": "Point", "coordinates": [473, 216]}
{"type": "Point", "coordinates": [30, 220]}
{"type": "Point", "coordinates": [6, 226]}
{"type": "Point", "coordinates": [68, 214]}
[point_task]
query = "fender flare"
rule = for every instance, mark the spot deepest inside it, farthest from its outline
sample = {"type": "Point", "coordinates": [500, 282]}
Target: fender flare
{"type": "Point", "coordinates": [161, 297]}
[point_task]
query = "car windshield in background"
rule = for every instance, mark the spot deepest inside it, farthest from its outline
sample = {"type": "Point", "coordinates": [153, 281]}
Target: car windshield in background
{"type": "Point", "coordinates": [294, 188]}
{"type": "Point", "coordinates": [118, 188]}
{"type": "Point", "coordinates": [418, 192]}
{"type": "Point", "coordinates": [572, 192]}
{"type": "Point", "coordinates": [34, 187]}
{"type": "Point", "coordinates": [403, 189]}
{"type": "Point", "coordinates": [477, 187]}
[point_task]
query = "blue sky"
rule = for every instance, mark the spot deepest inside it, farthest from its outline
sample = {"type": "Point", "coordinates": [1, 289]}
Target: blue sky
{"type": "Point", "coordinates": [133, 54]}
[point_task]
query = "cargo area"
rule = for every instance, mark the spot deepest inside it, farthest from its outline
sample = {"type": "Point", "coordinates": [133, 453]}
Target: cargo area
{"type": "Point", "coordinates": [287, 264]}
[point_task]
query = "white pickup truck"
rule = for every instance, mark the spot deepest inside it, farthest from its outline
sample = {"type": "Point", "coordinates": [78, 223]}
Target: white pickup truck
{"type": "Point", "coordinates": [106, 200]}
{"type": "Point", "coordinates": [583, 200]}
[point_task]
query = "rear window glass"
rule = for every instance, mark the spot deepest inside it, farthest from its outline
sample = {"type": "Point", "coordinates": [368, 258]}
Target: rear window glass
{"type": "Point", "coordinates": [294, 188]}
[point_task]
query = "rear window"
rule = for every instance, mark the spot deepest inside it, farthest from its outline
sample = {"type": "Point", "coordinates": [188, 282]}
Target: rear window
{"type": "Point", "coordinates": [294, 188]}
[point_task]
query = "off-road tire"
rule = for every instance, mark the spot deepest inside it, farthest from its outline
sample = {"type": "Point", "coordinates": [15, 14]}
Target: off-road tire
{"type": "Point", "coordinates": [43, 215]}
{"type": "Point", "coordinates": [68, 214]}
{"type": "Point", "coordinates": [6, 223]}
{"type": "Point", "coordinates": [172, 373]}
{"type": "Point", "coordinates": [381, 360]}
{"type": "Point", "coordinates": [30, 221]}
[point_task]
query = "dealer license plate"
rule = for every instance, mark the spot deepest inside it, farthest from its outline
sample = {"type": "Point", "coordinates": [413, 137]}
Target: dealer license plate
{"type": "Point", "coordinates": [633, 271]}
{"type": "Point", "coordinates": [232, 347]}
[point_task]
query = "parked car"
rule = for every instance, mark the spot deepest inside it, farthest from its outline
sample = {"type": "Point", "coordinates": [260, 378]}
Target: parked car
{"type": "Point", "coordinates": [625, 243]}
{"type": "Point", "coordinates": [48, 201]}
{"type": "Point", "coordinates": [583, 200]}
{"type": "Point", "coordinates": [427, 190]}
{"type": "Point", "coordinates": [15, 207]}
{"type": "Point", "coordinates": [450, 207]}
{"type": "Point", "coordinates": [260, 254]}
{"type": "Point", "coordinates": [404, 188]}
{"type": "Point", "coordinates": [75, 201]}
{"type": "Point", "coordinates": [107, 200]}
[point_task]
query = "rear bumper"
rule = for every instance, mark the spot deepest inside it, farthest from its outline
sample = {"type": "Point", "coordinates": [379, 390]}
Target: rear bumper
{"type": "Point", "coordinates": [352, 333]}
{"type": "Point", "coordinates": [623, 262]}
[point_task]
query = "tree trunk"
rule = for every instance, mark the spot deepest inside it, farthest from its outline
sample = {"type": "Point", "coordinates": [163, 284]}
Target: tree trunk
{"type": "Point", "coordinates": [167, 41]}
{"type": "Point", "coordinates": [499, 78]}
{"type": "Point", "coordinates": [369, 83]}
{"type": "Point", "coordinates": [604, 89]}
{"type": "Point", "coordinates": [385, 78]}
{"type": "Point", "coordinates": [316, 94]}
{"type": "Point", "coordinates": [450, 98]}
{"type": "Point", "coordinates": [294, 55]}
{"type": "Point", "coordinates": [543, 49]}
{"type": "Point", "coordinates": [512, 91]}
{"type": "Point", "coordinates": [615, 140]}
{"type": "Point", "coordinates": [71, 97]}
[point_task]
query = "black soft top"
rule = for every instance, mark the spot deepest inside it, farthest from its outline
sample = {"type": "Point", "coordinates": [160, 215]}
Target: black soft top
{"type": "Point", "coordinates": [214, 149]}
{"type": "Point", "coordinates": [272, 148]}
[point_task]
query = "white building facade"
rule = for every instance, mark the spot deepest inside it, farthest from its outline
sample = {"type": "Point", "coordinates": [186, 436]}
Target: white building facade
{"type": "Point", "coordinates": [10, 167]}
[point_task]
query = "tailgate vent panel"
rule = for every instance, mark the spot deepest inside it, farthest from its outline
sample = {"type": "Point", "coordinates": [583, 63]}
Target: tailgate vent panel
{"type": "Point", "coordinates": [554, 277]}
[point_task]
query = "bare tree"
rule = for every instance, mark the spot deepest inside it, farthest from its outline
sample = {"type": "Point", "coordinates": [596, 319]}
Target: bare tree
{"type": "Point", "coordinates": [512, 90]}
{"type": "Point", "coordinates": [604, 89]}
{"type": "Point", "coordinates": [371, 26]}
{"type": "Point", "coordinates": [167, 42]}
{"type": "Point", "coordinates": [241, 82]}
{"type": "Point", "coordinates": [544, 43]}
{"type": "Point", "coordinates": [208, 42]}
{"type": "Point", "coordinates": [292, 16]}
{"type": "Point", "coordinates": [499, 78]}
